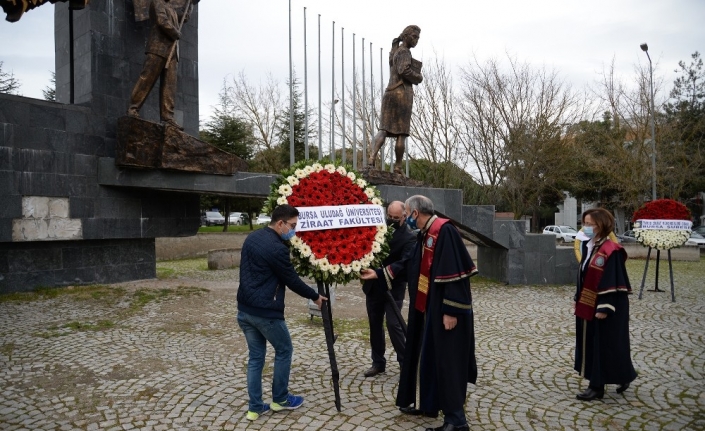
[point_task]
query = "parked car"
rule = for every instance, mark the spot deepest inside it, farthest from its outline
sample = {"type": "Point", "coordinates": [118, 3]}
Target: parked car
{"type": "Point", "coordinates": [627, 237]}
{"type": "Point", "coordinates": [565, 233]}
{"type": "Point", "coordinates": [263, 219]}
{"type": "Point", "coordinates": [700, 229]}
{"type": "Point", "coordinates": [696, 239]}
{"type": "Point", "coordinates": [239, 219]}
{"type": "Point", "coordinates": [212, 218]}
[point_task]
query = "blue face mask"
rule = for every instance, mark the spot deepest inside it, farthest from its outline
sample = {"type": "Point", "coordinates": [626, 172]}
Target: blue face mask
{"type": "Point", "coordinates": [587, 230]}
{"type": "Point", "coordinates": [287, 236]}
{"type": "Point", "coordinates": [411, 222]}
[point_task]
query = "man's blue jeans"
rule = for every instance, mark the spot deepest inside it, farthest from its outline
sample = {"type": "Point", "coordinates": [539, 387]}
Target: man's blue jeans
{"type": "Point", "coordinates": [259, 330]}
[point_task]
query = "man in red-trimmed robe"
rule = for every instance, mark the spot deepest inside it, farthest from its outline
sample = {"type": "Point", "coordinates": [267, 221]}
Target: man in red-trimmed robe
{"type": "Point", "coordinates": [440, 344]}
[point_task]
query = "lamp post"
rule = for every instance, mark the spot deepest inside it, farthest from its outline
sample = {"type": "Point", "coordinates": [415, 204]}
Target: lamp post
{"type": "Point", "coordinates": [645, 48]}
{"type": "Point", "coordinates": [332, 130]}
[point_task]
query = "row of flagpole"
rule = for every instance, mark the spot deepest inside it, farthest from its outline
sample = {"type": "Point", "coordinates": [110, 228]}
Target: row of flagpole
{"type": "Point", "coordinates": [334, 101]}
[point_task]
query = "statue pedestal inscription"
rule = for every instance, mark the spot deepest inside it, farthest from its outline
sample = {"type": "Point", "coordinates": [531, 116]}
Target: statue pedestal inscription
{"type": "Point", "coordinates": [144, 144]}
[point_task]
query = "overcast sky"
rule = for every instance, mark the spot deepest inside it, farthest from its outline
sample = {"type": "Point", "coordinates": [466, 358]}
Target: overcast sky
{"type": "Point", "coordinates": [576, 38]}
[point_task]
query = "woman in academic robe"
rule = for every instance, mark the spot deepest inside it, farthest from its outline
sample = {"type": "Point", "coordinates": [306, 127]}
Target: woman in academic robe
{"type": "Point", "coordinates": [602, 351]}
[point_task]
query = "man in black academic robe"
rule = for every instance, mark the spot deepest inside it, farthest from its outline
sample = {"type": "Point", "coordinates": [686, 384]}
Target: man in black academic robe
{"type": "Point", "coordinates": [377, 299]}
{"type": "Point", "coordinates": [440, 345]}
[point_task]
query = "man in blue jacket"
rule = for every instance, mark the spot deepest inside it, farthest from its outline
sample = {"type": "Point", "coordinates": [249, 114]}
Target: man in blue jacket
{"type": "Point", "coordinates": [265, 272]}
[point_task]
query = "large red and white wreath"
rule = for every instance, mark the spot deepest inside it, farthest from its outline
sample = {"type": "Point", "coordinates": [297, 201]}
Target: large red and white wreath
{"type": "Point", "coordinates": [331, 255]}
{"type": "Point", "coordinates": [662, 224]}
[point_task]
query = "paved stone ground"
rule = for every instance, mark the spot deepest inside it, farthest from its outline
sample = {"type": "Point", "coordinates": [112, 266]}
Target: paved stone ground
{"type": "Point", "coordinates": [167, 355]}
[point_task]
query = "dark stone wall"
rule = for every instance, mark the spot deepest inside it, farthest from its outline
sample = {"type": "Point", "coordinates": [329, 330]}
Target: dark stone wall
{"type": "Point", "coordinates": [25, 266]}
{"type": "Point", "coordinates": [52, 149]}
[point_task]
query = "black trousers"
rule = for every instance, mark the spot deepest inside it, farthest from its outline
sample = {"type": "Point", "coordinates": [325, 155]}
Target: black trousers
{"type": "Point", "coordinates": [378, 307]}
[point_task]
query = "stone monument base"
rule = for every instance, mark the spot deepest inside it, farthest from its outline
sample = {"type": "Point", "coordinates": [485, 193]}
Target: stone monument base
{"type": "Point", "coordinates": [375, 176]}
{"type": "Point", "coordinates": [144, 144]}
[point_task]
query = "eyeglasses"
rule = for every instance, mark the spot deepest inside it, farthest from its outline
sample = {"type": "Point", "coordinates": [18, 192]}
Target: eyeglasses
{"type": "Point", "coordinates": [395, 219]}
{"type": "Point", "coordinates": [292, 226]}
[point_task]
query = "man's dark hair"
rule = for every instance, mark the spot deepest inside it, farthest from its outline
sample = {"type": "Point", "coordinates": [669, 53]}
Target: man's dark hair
{"type": "Point", "coordinates": [284, 212]}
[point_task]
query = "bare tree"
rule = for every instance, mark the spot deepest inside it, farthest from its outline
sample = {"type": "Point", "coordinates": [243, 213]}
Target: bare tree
{"type": "Point", "coordinates": [515, 121]}
{"type": "Point", "coordinates": [435, 124]}
{"type": "Point", "coordinates": [8, 83]}
{"type": "Point", "coordinates": [625, 159]}
{"type": "Point", "coordinates": [262, 107]}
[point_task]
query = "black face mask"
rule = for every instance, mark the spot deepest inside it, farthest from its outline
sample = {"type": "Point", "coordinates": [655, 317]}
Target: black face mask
{"type": "Point", "coordinates": [393, 223]}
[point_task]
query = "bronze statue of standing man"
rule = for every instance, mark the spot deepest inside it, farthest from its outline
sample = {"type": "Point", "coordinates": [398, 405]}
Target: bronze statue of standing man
{"type": "Point", "coordinates": [398, 98]}
{"type": "Point", "coordinates": [162, 60]}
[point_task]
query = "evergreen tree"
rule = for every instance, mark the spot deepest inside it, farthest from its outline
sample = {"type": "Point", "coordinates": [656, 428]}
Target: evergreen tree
{"type": "Point", "coordinates": [8, 83]}
{"type": "Point", "coordinates": [300, 131]}
{"type": "Point", "coordinates": [50, 90]}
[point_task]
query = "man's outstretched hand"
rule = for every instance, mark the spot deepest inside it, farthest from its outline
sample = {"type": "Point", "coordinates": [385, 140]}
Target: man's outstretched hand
{"type": "Point", "coordinates": [368, 274]}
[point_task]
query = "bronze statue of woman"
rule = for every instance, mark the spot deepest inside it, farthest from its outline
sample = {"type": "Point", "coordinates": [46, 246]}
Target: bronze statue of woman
{"type": "Point", "coordinates": [398, 98]}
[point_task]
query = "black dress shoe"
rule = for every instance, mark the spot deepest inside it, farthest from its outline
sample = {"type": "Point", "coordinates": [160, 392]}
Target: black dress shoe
{"type": "Point", "coordinates": [416, 412]}
{"type": "Point", "coordinates": [410, 411]}
{"type": "Point", "coordinates": [623, 387]}
{"type": "Point", "coordinates": [450, 427]}
{"type": "Point", "coordinates": [591, 394]}
{"type": "Point", "coordinates": [373, 371]}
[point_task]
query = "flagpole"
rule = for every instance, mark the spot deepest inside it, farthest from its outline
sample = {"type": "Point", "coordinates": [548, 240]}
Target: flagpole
{"type": "Point", "coordinates": [305, 91]}
{"type": "Point", "coordinates": [342, 79]}
{"type": "Point", "coordinates": [332, 98]}
{"type": "Point", "coordinates": [291, 98]}
{"type": "Point", "coordinates": [320, 113]}
{"type": "Point", "coordinates": [354, 122]}
{"type": "Point", "coordinates": [364, 107]}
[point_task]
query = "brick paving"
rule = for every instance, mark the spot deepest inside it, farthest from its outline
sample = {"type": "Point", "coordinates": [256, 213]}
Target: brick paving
{"type": "Point", "coordinates": [82, 362]}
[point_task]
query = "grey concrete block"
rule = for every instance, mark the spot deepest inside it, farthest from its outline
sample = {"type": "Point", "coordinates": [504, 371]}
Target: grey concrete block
{"type": "Point", "coordinates": [15, 110]}
{"type": "Point", "coordinates": [9, 184]}
{"type": "Point", "coordinates": [5, 230]}
{"type": "Point", "coordinates": [492, 263]}
{"type": "Point", "coordinates": [81, 207]}
{"type": "Point", "coordinates": [93, 228]}
{"type": "Point", "coordinates": [515, 266]}
{"type": "Point", "coordinates": [6, 157]}
{"type": "Point", "coordinates": [532, 268]}
{"type": "Point", "coordinates": [35, 258]}
{"type": "Point", "coordinates": [11, 207]}
{"type": "Point", "coordinates": [7, 135]}
{"type": "Point", "coordinates": [85, 165]}
{"type": "Point", "coordinates": [566, 267]}
{"type": "Point", "coordinates": [48, 116]}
